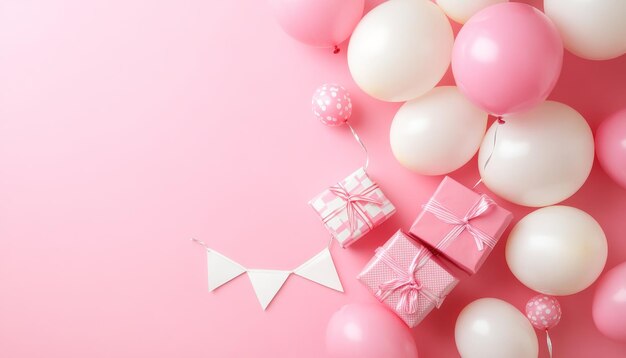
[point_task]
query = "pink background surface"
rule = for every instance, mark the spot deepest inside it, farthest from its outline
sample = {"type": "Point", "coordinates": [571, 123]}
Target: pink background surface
{"type": "Point", "coordinates": [129, 126]}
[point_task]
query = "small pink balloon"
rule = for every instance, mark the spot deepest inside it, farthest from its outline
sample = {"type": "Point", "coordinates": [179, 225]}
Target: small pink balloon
{"type": "Point", "coordinates": [609, 303]}
{"type": "Point", "coordinates": [611, 146]}
{"type": "Point", "coordinates": [319, 23]}
{"type": "Point", "coordinates": [507, 58]}
{"type": "Point", "coordinates": [368, 331]}
{"type": "Point", "coordinates": [331, 104]}
{"type": "Point", "coordinates": [544, 312]}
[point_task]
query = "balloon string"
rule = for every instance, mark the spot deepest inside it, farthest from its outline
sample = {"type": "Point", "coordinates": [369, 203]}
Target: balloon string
{"type": "Point", "coordinates": [358, 139]}
{"type": "Point", "coordinates": [500, 122]}
{"type": "Point", "coordinates": [549, 343]}
{"type": "Point", "coordinates": [477, 183]}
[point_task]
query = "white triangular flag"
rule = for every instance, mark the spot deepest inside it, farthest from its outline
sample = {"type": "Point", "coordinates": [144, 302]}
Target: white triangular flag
{"type": "Point", "coordinates": [221, 269]}
{"type": "Point", "coordinates": [267, 283]}
{"type": "Point", "coordinates": [321, 269]}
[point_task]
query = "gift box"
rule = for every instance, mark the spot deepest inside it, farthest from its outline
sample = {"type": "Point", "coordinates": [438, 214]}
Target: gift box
{"type": "Point", "coordinates": [352, 207]}
{"type": "Point", "coordinates": [405, 276]}
{"type": "Point", "coordinates": [461, 225]}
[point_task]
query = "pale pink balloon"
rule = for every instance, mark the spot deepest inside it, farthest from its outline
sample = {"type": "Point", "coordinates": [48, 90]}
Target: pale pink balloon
{"type": "Point", "coordinates": [368, 331]}
{"type": "Point", "coordinates": [331, 104]}
{"type": "Point", "coordinates": [319, 23]}
{"type": "Point", "coordinates": [543, 312]}
{"type": "Point", "coordinates": [609, 303]}
{"type": "Point", "coordinates": [611, 146]}
{"type": "Point", "coordinates": [507, 58]}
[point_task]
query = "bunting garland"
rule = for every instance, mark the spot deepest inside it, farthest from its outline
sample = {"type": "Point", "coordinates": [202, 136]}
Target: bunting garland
{"type": "Point", "coordinates": [266, 283]}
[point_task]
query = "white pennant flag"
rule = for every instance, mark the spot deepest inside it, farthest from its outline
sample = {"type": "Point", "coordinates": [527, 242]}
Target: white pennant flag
{"type": "Point", "coordinates": [321, 269]}
{"type": "Point", "coordinates": [267, 283]}
{"type": "Point", "coordinates": [221, 269]}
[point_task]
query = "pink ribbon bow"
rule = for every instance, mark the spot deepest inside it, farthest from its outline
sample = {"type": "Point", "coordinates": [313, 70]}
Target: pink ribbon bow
{"type": "Point", "coordinates": [460, 224]}
{"type": "Point", "coordinates": [406, 282]}
{"type": "Point", "coordinates": [350, 204]}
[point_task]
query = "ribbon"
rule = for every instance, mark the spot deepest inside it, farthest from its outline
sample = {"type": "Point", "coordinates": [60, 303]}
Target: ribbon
{"type": "Point", "coordinates": [409, 286]}
{"type": "Point", "coordinates": [460, 224]}
{"type": "Point", "coordinates": [350, 204]}
{"type": "Point", "coordinates": [549, 343]}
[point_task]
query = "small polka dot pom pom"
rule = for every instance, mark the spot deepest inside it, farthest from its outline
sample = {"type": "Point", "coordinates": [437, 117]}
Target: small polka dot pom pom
{"type": "Point", "coordinates": [544, 312]}
{"type": "Point", "coordinates": [331, 104]}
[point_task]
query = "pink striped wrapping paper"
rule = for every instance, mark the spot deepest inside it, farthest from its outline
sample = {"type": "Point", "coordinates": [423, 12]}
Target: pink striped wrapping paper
{"type": "Point", "coordinates": [432, 277]}
{"type": "Point", "coordinates": [467, 250]}
{"type": "Point", "coordinates": [352, 207]}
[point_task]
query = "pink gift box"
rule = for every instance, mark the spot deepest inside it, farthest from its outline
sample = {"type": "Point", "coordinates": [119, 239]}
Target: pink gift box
{"type": "Point", "coordinates": [461, 225]}
{"type": "Point", "coordinates": [408, 278]}
{"type": "Point", "coordinates": [352, 207]}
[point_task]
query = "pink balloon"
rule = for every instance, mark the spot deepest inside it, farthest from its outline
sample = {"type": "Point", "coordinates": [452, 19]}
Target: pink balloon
{"type": "Point", "coordinates": [611, 146]}
{"type": "Point", "coordinates": [543, 312]}
{"type": "Point", "coordinates": [319, 23]}
{"type": "Point", "coordinates": [507, 58]}
{"type": "Point", "coordinates": [368, 331]}
{"type": "Point", "coordinates": [609, 303]}
{"type": "Point", "coordinates": [331, 104]}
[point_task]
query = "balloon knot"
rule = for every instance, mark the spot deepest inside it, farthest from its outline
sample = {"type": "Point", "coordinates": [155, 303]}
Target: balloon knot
{"type": "Point", "coordinates": [336, 50]}
{"type": "Point", "coordinates": [500, 120]}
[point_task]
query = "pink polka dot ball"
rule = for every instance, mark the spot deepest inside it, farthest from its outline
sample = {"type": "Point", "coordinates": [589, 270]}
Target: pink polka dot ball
{"type": "Point", "coordinates": [331, 104]}
{"type": "Point", "coordinates": [544, 312]}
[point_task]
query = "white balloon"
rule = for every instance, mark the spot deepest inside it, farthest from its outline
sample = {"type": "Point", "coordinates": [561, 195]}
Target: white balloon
{"type": "Point", "coordinates": [461, 10]}
{"type": "Point", "coordinates": [492, 328]}
{"type": "Point", "coordinates": [557, 250]}
{"type": "Point", "coordinates": [591, 29]}
{"type": "Point", "coordinates": [438, 132]}
{"type": "Point", "coordinates": [541, 157]}
{"type": "Point", "coordinates": [400, 49]}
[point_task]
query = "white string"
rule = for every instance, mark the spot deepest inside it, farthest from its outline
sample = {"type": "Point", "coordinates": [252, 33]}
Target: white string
{"type": "Point", "coordinates": [358, 139]}
{"type": "Point", "coordinates": [201, 243]}
{"type": "Point", "coordinates": [499, 122]}
{"type": "Point", "coordinates": [495, 141]}
{"type": "Point", "coordinates": [549, 343]}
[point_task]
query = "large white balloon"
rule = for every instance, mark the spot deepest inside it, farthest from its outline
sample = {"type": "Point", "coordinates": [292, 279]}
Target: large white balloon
{"type": "Point", "coordinates": [557, 250]}
{"type": "Point", "coordinates": [592, 29]}
{"type": "Point", "coordinates": [541, 157]}
{"type": "Point", "coordinates": [438, 132]}
{"type": "Point", "coordinates": [400, 49]}
{"type": "Point", "coordinates": [461, 10]}
{"type": "Point", "coordinates": [492, 328]}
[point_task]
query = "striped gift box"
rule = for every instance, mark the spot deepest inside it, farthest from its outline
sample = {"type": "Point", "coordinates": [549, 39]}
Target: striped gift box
{"type": "Point", "coordinates": [352, 207]}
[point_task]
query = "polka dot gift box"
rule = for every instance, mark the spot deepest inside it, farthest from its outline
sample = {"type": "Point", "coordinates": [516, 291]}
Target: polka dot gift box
{"type": "Point", "coordinates": [404, 275]}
